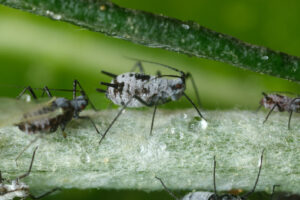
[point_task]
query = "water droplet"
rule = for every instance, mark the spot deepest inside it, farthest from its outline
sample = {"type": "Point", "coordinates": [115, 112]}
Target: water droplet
{"type": "Point", "coordinates": [265, 58]}
{"type": "Point", "coordinates": [204, 124]}
{"type": "Point", "coordinates": [185, 26]}
{"type": "Point", "coordinates": [172, 130]}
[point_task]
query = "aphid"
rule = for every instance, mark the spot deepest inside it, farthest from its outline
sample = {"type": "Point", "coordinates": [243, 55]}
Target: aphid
{"type": "Point", "coordinates": [47, 117]}
{"type": "Point", "coordinates": [281, 103]}
{"type": "Point", "coordinates": [213, 195]}
{"type": "Point", "coordinates": [10, 189]}
{"type": "Point", "coordinates": [139, 90]}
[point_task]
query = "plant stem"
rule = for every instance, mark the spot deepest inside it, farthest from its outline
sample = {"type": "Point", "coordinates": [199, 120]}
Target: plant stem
{"type": "Point", "coordinates": [163, 32]}
{"type": "Point", "coordinates": [180, 152]}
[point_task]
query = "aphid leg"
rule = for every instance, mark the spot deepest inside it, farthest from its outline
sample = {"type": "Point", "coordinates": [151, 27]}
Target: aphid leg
{"type": "Point", "coordinates": [189, 75]}
{"type": "Point", "coordinates": [188, 98]}
{"type": "Point", "coordinates": [153, 116]}
{"type": "Point", "coordinates": [47, 91]}
{"type": "Point", "coordinates": [273, 191]}
{"type": "Point", "coordinates": [167, 189]}
{"type": "Point", "coordinates": [90, 119]}
{"type": "Point", "coordinates": [139, 65]}
{"type": "Point", "coordinates": [158, 73]}
{"type": "Point", "coordinates": [30, 166]}
{"type": "Point", "coordinates": [45, 194]}
{"type": "Point", "coordinates": [214, 176]}
{"type": "Point", "coordinates": [114, 120]}
{"type": "Point", "coordinates": [30, 91]}
{"type": "Point", "coordinates": [149, 105]}
{"type": "Point", "coordinates": [257, 178]}
{"type": "Point", "coordinates": [31, 142]}
{"type": "Point", "coordinates": [258, 108]}
{"type": "Point", "coordinates": [270, 112]}
{"type": "Point", "coordinates": [1, 179]}
{"type": "Point", "coordinates": [290, 117]}
{"type": "Point", "coordinates": [83, 93]}
{"type": "Point", "coordinates": [62, 127]}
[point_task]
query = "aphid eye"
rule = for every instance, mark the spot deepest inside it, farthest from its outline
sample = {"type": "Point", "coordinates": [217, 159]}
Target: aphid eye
{"type": "Point", "coordinates": [178, 86]}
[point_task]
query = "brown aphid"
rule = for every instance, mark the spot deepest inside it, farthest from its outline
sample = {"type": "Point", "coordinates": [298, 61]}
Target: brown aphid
{"type": "Point", "coordinates": [281, 103]}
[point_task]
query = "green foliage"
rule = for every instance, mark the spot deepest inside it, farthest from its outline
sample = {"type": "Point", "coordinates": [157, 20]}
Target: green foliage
{"type": "Point", "coordinates": [163, 32]}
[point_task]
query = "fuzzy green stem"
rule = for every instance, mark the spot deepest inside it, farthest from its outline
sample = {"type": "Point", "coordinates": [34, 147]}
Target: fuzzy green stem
{"type": "Point", "coordinates": [164, 32]}
{"type": "Point", "coordinates": [180, 152]}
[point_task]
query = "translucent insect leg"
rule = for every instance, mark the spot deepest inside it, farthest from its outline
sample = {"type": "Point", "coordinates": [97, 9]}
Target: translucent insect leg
{"type": "Point", "coordinates": [31, 142]}
{"type": "Point", "coordinates": [45, 194]}
{"type": "Point", "coordinates": [189, 75]}
{"type": "Point", "coordinates": [270, 112]}
{"type": "Point", "coordinates": [257, 178]}
{"type": "Point", "coordinates": [30, 166]}
{"type": "Point", "coordinates": [114, 120]}
{"type": "Point", "coordinates": [83, 93]}
{"type": "Point", "coordinates": [153, 116]}
{"type": "Point", "coordinates": [90, 119]}
{"type": "Point", "coordinates": [273, 191]}
{"type": "Point", "coordinates": [290, 117]}
{"type": "Point", "coordinates": [188, 98]}
{"type": "Point", "coordinates": [167, 189]}
{"type": "Point", "coordinates": [30, 90]}
{"type": "Point", "coordinates": [139, 65]}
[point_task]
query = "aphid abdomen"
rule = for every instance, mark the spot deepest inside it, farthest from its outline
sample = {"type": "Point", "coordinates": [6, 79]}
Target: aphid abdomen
{"type": "Point", "coordinates": [45, 125]}
{"type": "Point", "coordinates": [152, 90]}
{"type": "Point", "coordinates": [40, 120]}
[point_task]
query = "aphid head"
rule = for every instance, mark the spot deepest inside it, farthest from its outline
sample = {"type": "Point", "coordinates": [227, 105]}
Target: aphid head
{"type": "Point", "coordinates": [177, 88]}
{"type": "Point", "coordinates": [267, 100]}
{"type": "Point", "coordinates": [79, 103]}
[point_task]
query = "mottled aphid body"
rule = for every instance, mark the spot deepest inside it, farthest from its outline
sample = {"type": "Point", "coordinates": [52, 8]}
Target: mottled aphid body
{"type": "Point", "coordinates": [138, 90]}
{"type": "Point", "coordinates": [10, 189]}
{"type": "Point", "coordinates": [213, 195]}
{"type": "Point", "coordinates": [281, 103]}
{"type": "Point", "coordinates": [151, 89]}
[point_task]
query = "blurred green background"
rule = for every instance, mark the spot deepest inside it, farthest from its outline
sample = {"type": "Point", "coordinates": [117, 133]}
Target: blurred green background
{"type": "Point", "coordinates": [37, 51]}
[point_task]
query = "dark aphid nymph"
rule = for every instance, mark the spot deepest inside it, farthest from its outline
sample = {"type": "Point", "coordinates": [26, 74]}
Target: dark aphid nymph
{"type": "Point", "coordinates": [10, 189]}
{"type": "Point", "coordinates": [133, 89]}
{"type": "Point", "coordinates": [48, 116]}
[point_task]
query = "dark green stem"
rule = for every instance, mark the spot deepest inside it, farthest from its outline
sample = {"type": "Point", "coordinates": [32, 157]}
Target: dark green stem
{"type": "Point", "coordinates": [164, 32]}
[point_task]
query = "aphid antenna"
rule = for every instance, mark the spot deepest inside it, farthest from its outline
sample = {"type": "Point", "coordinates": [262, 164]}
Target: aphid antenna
{"type": "Point", "coordinates": [45, 194]}
{"type": "Point", "coordinates": [245, 196]}
{"type": "Point", "coordinates": [163, 65]}
{"type": "Point", "coordinates": [30, 166]}
{"type": "Point", "coordinates": [167, 189]}
{"type": "Point", "coordinates": [27, 146]}
{"type": "Point", "coordinates": [282, 92]}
